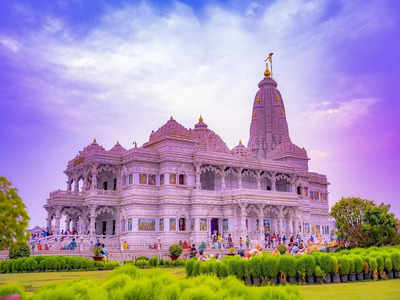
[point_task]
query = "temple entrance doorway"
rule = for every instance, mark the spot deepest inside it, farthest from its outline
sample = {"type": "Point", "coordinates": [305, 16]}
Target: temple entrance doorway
{"type": "Point", "coordinates": [104, 228]}
{"type": "Point", "coordinates": [214, 226]}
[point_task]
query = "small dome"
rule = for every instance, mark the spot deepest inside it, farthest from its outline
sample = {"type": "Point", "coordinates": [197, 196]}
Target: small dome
{"type": "Point", "coordinates": [93, 147]}
{"type": "Point", "coordinates": [240, 149]}
{"type": "Point", "coordinates": [170, 129]}
{"type": "Point", "coordinates": [206, 139]}
{"type": "Point", "coordinates": [117, 148]}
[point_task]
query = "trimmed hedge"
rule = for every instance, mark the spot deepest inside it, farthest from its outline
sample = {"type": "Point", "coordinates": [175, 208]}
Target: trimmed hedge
{"type": "Point", "coordinates": [374, 263]}
{"type": "Point", "coordinates": [155, 262]}
{"type": "Point", "coordinates": [54, 263]}
{"type": "Point", "coordinates": [126, 282]}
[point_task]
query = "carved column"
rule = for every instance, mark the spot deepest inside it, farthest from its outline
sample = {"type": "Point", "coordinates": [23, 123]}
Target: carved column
{"type": "Point", "coordinates": [58, 217]}
{"type": "Point", "coordinates": [69, 184]}
{"type": "Point", "coordinates": [198, 173]}
{"type": "Point", "coordinates": [223, 186]}
{"type": "Point", "coordinates": [240, 177]}
{"type": "Point", "coordinates": [76, 185]}
{"type": "Point", "coordinates": [243, 215]}
{"type": "Point", "coordinates": [94, 178]}
{"type": "Point", "coordinates": [261, 224]}
{"type": "Point", "coordinates": [273, 181]}
{"type": "Point", "coordinates": [280, 219]}
{"type": "Point", "coordinates": [67, 223]}
{"type": "Point", "coordinates": [117, 220]}
{"type": "Point", "coordinates": [92, 216]}
{"type": "Point", "coordinates": [49, 221]}
{"type": "Point", "coordinates": [258, 180]}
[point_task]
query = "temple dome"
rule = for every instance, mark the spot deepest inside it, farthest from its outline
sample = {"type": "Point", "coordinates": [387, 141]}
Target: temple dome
{"type": "Point", "coordinates": [170, 129]}
{"type": "Point", "coordinates": [118, 149]}
{"type": "Point", "coordinates": [240, 149]}
{"type": "Point", "coordinates": [93, 147]}
{"type": "Point", "coordinates": [206, 139]}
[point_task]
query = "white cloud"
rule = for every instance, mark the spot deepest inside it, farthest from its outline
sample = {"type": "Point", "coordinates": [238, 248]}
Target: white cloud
{"type": "Point", "coordinates": [9, 43]}
{"type": "Point", "coordinates": [139, 67]}
{"type": "Point", "coordinates": [339, 115]}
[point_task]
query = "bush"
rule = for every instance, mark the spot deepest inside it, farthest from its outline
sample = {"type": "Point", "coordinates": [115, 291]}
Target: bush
{"type": "Point", "coordinates": [309, 265]}
{"type": "Point", "coordinates": [271, 266]}
{"type": "Point", "coordinates": [142, 263]}
{"type": "Point", "coordinates": [335, 265]}
{"type": "Point", "coordinates": [175, 250]}
{"type": "Point", "coordinates": [344, 265]}
{"type": "Point", "coordinates": [19, 250]}
{"type": "Point", "coordinates": [301, 267]}
{"type": "Point", "coordinates": [388, 264]}
{"type": "Point", "coordinates": [358, 264]}
{"type": "Point", "coordinates": [326, 263]}
{"type": "Point", "coordinates": [153, 261]}
{"type": "Point", "coordinates": [12, 289]}
{"type": "Point", "coordinates": [318, 272]}
{"type": "Point", "coordinates": [282, 249]}
{"type": "Point", "coordinates": [395, 261]}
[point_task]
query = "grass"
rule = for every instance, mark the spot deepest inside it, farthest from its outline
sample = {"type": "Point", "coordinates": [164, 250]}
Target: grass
{"type": "Point", "coordinates": [369, 290]}
{"type": "Point", "coordinates": [378, 290]}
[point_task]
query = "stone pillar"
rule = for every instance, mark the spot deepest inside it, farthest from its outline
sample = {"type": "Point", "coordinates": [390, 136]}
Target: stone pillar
{"type": "Point", "coordinates": [261, 224]}
{"type": "Point", "coordinates": [94, 178]}
{"type": "Point", "coordinates": [223, 186]}
{"type": "Point", "coordinates": [240, 177]}
{"type": "Point", "coordinates": [243, 216]}
{"type": "Point", "coordinates": [69, 184]}
{"type": "Point", "coordinates": [67, 223]}
{"type": "Point", "coordinates": [58, 217]}
{"type": "Point", "coordinates": [291, 225]}
{"type": "Point", "coordinates": [198, 173]}
{"type": "Point", "coordinates": [92, 216]}
{"type": "Point", "coordinates": [48, 222]}
{"type": "Point", "coordinates": [258, 181]}
{"type": "Point", "coordinates": [273, 182]}
{"type": "Point", "coordinates": [76, 185]}
{"type": "Point", "coordinates": [117, 220]}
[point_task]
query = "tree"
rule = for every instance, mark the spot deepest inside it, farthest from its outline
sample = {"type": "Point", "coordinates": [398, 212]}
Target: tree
{"type": "Point", "coordinates": [379, 226]}
{"type": "Point", "coordinates": [13, 216]}
{"type": "Point", "coordinates": [348, 213]}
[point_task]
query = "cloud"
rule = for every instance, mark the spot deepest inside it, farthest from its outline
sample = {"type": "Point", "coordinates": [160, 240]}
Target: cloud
{"type": "Point", "coordinates": [137, 65]}
{"type": "Point", "coordinates": [339, 115]}
{"type": "Point", "coordinates": [9, 43]}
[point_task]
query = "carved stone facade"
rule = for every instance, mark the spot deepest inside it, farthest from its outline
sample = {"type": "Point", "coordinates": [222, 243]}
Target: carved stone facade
{"type": "Point", "coordinates": [185, 184]}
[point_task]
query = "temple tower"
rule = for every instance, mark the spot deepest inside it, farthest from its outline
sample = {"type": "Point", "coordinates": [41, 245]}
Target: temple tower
{"type": "Point", "coordinates": [268, 127]}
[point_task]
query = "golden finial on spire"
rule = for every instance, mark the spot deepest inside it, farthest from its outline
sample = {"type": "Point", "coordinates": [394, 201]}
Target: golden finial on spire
{"type": "Point", "coordinates": [240, 142]}
{"type": "Point", "coordinates": [201, 119]}
{"type": "Point", "coordinates": [171, 118]}
{"type": "Point", "coordinates": [117, 142]}
{"type": "Point", "coordinates": [267, 73]}
{"type": "Point", "coordinates": [94, 141]}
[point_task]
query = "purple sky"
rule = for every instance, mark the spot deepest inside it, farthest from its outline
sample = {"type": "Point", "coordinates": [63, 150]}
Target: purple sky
{"type": "Point", "coordinates": [74, 70]}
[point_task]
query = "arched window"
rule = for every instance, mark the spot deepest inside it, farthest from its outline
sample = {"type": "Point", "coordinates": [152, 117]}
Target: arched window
{"type": "Point", "coordinates": [182, 224]}
{"type": "Point", "coordinates": [115, 184]}
{"type": "Point", "coordinates": [207, 180]}
{"type": "Point", "coordinates": [282, 185]}
{"type": "Point", "coordinates": [181, 179]}
{"type": "Point", "coordinates": [299, 190]}
{"type": "Point", "coordinates": [105, 185]}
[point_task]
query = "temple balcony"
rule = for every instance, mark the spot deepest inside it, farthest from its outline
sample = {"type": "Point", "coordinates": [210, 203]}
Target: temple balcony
{"type": "Point", "coordinates": [60, 197]}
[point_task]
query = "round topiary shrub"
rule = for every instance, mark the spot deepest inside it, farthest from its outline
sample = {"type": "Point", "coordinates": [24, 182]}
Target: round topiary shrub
{"type": "Point", "coordinates": [175, 250]}
{"type": "Point", "coordinates": [19, 250]}
{"type": "Point", "coordinates": [301, 268]}
{"type": "Point", "coordinates": [310, 267]}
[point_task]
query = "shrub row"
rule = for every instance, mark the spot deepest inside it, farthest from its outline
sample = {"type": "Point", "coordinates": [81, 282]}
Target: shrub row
{"type": "Point", "coordinates": [319, 266]}
{"type": "Point", "coordinates": [126, 282]}
{"type": "Point", "coordinates": [54, 263]}
{"type": "Point", "coordinates": [144, 262]}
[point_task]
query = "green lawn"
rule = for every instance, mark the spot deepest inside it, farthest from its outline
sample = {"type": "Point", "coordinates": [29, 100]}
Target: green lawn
{"type": "Point", "coordinates": [370, 290]}
{"type": "Point", "coordinates": [379, 290]}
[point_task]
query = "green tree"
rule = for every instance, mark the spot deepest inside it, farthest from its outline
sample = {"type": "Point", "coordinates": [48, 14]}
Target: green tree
{"type": "Point", "coordinates": [13, 216]}
{"type": "Point", "coordinates": [348, 213]}
{"type": "Point", "coordinates": [378, 226]}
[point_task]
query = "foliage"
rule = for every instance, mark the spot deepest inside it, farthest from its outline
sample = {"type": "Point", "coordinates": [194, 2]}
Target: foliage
{"type": "Point", "coordinates": [153, 261]}
{"type": "Point", "coordinates": [142, 263]}
{"type": "Point", "coordinates": [13, 216]}
{"type": "Point", "coordinates": [301, 267]}
{"type": "Point", "coordinates": [318, 272]}
{"type": "Point", "coordinates": [54, 263]}
{"type": "Point", "coordinates": [20, 249]}
{"type": "Point", "coordinates": [379, 226]}
{"type": "Point", "coordinates": [282, 249]}
{"type": "Point", "coordinates": [344, 265]}
{"type": "Point", "coordinates": [309, 262]}
{"type": "Point", "coordinates": [358, 264]}
{"type": "Point", "coordinates": [388, 264]}
{"type": "Point", "coordinates": [126, 282]}
{"type": "Point", "coordinates": [348, 213]}
{"type": "Point", "coordinates": [395, 260]}
{"type": "Point", "coordinates": [175, 250]}
{"type": "Point", "coordinates": [326, 263]}
{"type": "Point", "coordinates": [12, 289]}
